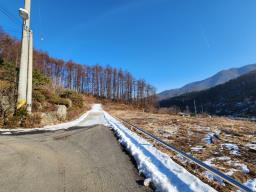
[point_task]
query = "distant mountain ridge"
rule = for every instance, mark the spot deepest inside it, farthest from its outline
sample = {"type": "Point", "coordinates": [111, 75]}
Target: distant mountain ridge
{"type": "Point", "coordinates": [217, 79]}
{"type": "Point", "coordinates": [236, 97]}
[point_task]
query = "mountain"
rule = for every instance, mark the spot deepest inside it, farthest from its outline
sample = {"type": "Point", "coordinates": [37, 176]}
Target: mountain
{"type": "Point", "coordinates": [236, 97]}
{"type": "Point", "coordinates": [217, 79]}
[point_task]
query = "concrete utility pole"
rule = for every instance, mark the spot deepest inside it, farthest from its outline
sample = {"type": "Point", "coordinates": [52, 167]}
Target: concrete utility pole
{"type": "Point", "coordinates": [30, 73]}
{"type": "Point", "coordinates": [22, 86]}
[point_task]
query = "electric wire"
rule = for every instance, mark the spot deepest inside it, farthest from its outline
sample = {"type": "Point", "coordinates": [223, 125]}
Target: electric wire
{"type": "Point", "coordinates": [41, 38]}
{"type": "Point", "coordinates": [10, 16]}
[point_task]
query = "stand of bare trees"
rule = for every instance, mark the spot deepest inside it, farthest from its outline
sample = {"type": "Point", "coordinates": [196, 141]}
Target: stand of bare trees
{"type": "Point", "coordinates": [105, 82]}
{"type": "Point", "coordinates": [100, 81]}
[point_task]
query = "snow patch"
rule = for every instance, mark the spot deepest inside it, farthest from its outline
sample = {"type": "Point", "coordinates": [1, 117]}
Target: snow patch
{"type": "Point", "coordinates": [210, 175]}
{"type": "Point", "coordinates": [181, 159]}
{"type": "Point", "coordinates": [231, 172]}
{"type": "Point", "coordinates": [209, 162]}
{"type": "Point", "coordinates": [239, 166]}
{"type": "Point", "coordinates": [217, 132]}
{"type": "Point", "coordinates": [209, 138]}
{"type": "Point", "coordinates": [197, 148]}
{"type": "Point", "coordinates": [251, 184]}
{"type": "Point", "coordinates": [233, 148]}
{"type": "Point", "coordinates": [224, 158]}
{"type": "Point", "coordinates": [242, 167]}
{"type": "Point", "coordinates": [6, 133]}
{"type": "Point", "coordinates": [164, 172]}
{"type": "Point", "coordinates": [167, 132]}
{"type": "Point", "coordinates": [96, 108]}
{"type": "Point", "coordinates": [251, 146]}
{"type": "Point", "coordinates": [213, 177]}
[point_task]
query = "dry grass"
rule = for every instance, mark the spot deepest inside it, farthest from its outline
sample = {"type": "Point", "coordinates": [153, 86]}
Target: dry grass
{"type": "Point", "coordinates": [75, 112]}
{"type": "Point", "coordinates": [32, 121]}
{"type": "Point", "coordinates": [187, 132]}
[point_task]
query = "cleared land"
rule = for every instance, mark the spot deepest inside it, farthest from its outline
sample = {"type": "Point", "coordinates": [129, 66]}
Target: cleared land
{"type": "Point", "coordinates": [229, 145]}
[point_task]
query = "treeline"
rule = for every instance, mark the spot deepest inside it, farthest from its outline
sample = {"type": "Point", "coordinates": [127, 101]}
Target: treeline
{"type": "Point", "coordinates": [101, 81]}
{"type": "Point", "coordinates": [236, 98]}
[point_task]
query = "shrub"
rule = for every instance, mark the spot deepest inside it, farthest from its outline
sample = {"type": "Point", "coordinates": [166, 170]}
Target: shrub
{"type": "Point", "coordinates": [4, 84]}
{"type": "Point", "coordinates": [1, 122]}
{"type": "Point", "coordinates": [75, 112]}
{"type": "Point", "coordinates": [39, 79]}
{"type": "Point", "coordinates": [12, 122]}
{"type": "Point", "coordinates": [17, 119]}
{"type": "Point", "coordinates": [37, 106]}
{"type": "Point", "coordinates": [76, 98]}
{"type": "Point", "coordinates": [169, 110]}
{"type": "Point", "coordinates": [163, 110]}
{"type": "Point", "coordinates": [47, 94]}
{"type": "Point", "coordinates": [66, 93]}
{"type": "Point", "coordinates": [38, 96]}
{"type": "Point", "coordinates": [32, 121]}
{"type": "Point", "coordinates": [55, 99]}
{"type": "Point", "coordinates": [23, 119]}
{"type": "Point", "coordinates": [63, 101]}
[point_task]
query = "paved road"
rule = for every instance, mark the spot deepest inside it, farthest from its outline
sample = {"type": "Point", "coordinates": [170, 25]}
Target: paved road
{"type": "Point", "coordinates": [84, 159]}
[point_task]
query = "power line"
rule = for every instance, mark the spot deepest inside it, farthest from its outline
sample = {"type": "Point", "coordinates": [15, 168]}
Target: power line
{"type": "Point", "coordinates": [9, 15]}
{"type": "Point", "coordinates": [41, 38]}
{"type": "Point", "coordinates": [12, 27]}
{"type": "Point", "coordinates": [14, 16]}
{"type": "Point", "coordinates": [11, 30]}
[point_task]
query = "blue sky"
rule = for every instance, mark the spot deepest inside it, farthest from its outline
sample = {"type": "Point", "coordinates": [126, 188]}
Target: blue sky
{"type": "Point", "coordinates": [167, 42]}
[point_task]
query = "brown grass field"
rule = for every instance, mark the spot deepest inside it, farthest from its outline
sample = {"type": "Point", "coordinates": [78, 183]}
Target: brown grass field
{"type": "Point", "coordinates": [226, 144]}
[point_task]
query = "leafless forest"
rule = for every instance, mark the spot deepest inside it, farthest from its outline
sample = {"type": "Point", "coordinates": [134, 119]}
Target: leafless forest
{"type": "Point", "coordinates": [101, 81]}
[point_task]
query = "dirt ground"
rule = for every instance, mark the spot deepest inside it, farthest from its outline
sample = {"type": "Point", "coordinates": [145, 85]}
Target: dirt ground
{"type": "Point", "coordinates": [228, 145]}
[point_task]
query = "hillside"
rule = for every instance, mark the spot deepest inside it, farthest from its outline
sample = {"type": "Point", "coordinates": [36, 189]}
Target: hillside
{"type": "Point", "coordinates": [60, 85]}
{"type": "Point", "coordinates": [236, 97]}
{"type": "Point", "coordinates": [217, 79]}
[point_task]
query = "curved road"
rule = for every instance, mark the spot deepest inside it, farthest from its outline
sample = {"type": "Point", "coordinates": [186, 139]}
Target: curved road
{"type": "Point", "coordinates": [85, 159]}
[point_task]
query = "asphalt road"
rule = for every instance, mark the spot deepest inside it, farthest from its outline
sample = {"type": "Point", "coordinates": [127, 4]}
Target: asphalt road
{"type": "Point", "coordinates": [84, 159]}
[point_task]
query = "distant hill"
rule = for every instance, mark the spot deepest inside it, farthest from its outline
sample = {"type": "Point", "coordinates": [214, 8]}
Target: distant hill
{"type": "Point", "coordinates": [217, 79]}
{"type": "Point", "coordinates": [236, 97]}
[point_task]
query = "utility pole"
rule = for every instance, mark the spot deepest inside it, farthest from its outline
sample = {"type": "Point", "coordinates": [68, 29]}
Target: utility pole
{"type": "Point", "coordinates": [22, 86]}
{"type": "Point", "coordinates": [30, 73]}
{"type": "Point", "coordinates": [195, 107]}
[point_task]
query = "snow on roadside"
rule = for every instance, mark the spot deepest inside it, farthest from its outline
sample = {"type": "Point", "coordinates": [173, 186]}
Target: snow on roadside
{"type": "Point", "coordinates": [45, 128]}
{"type": "Point", "coordinates": [213, 177]}
{"type": "Point", "coordinates": [251, 184]}
{"type": "Point", "coordinates": [164, 172]}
